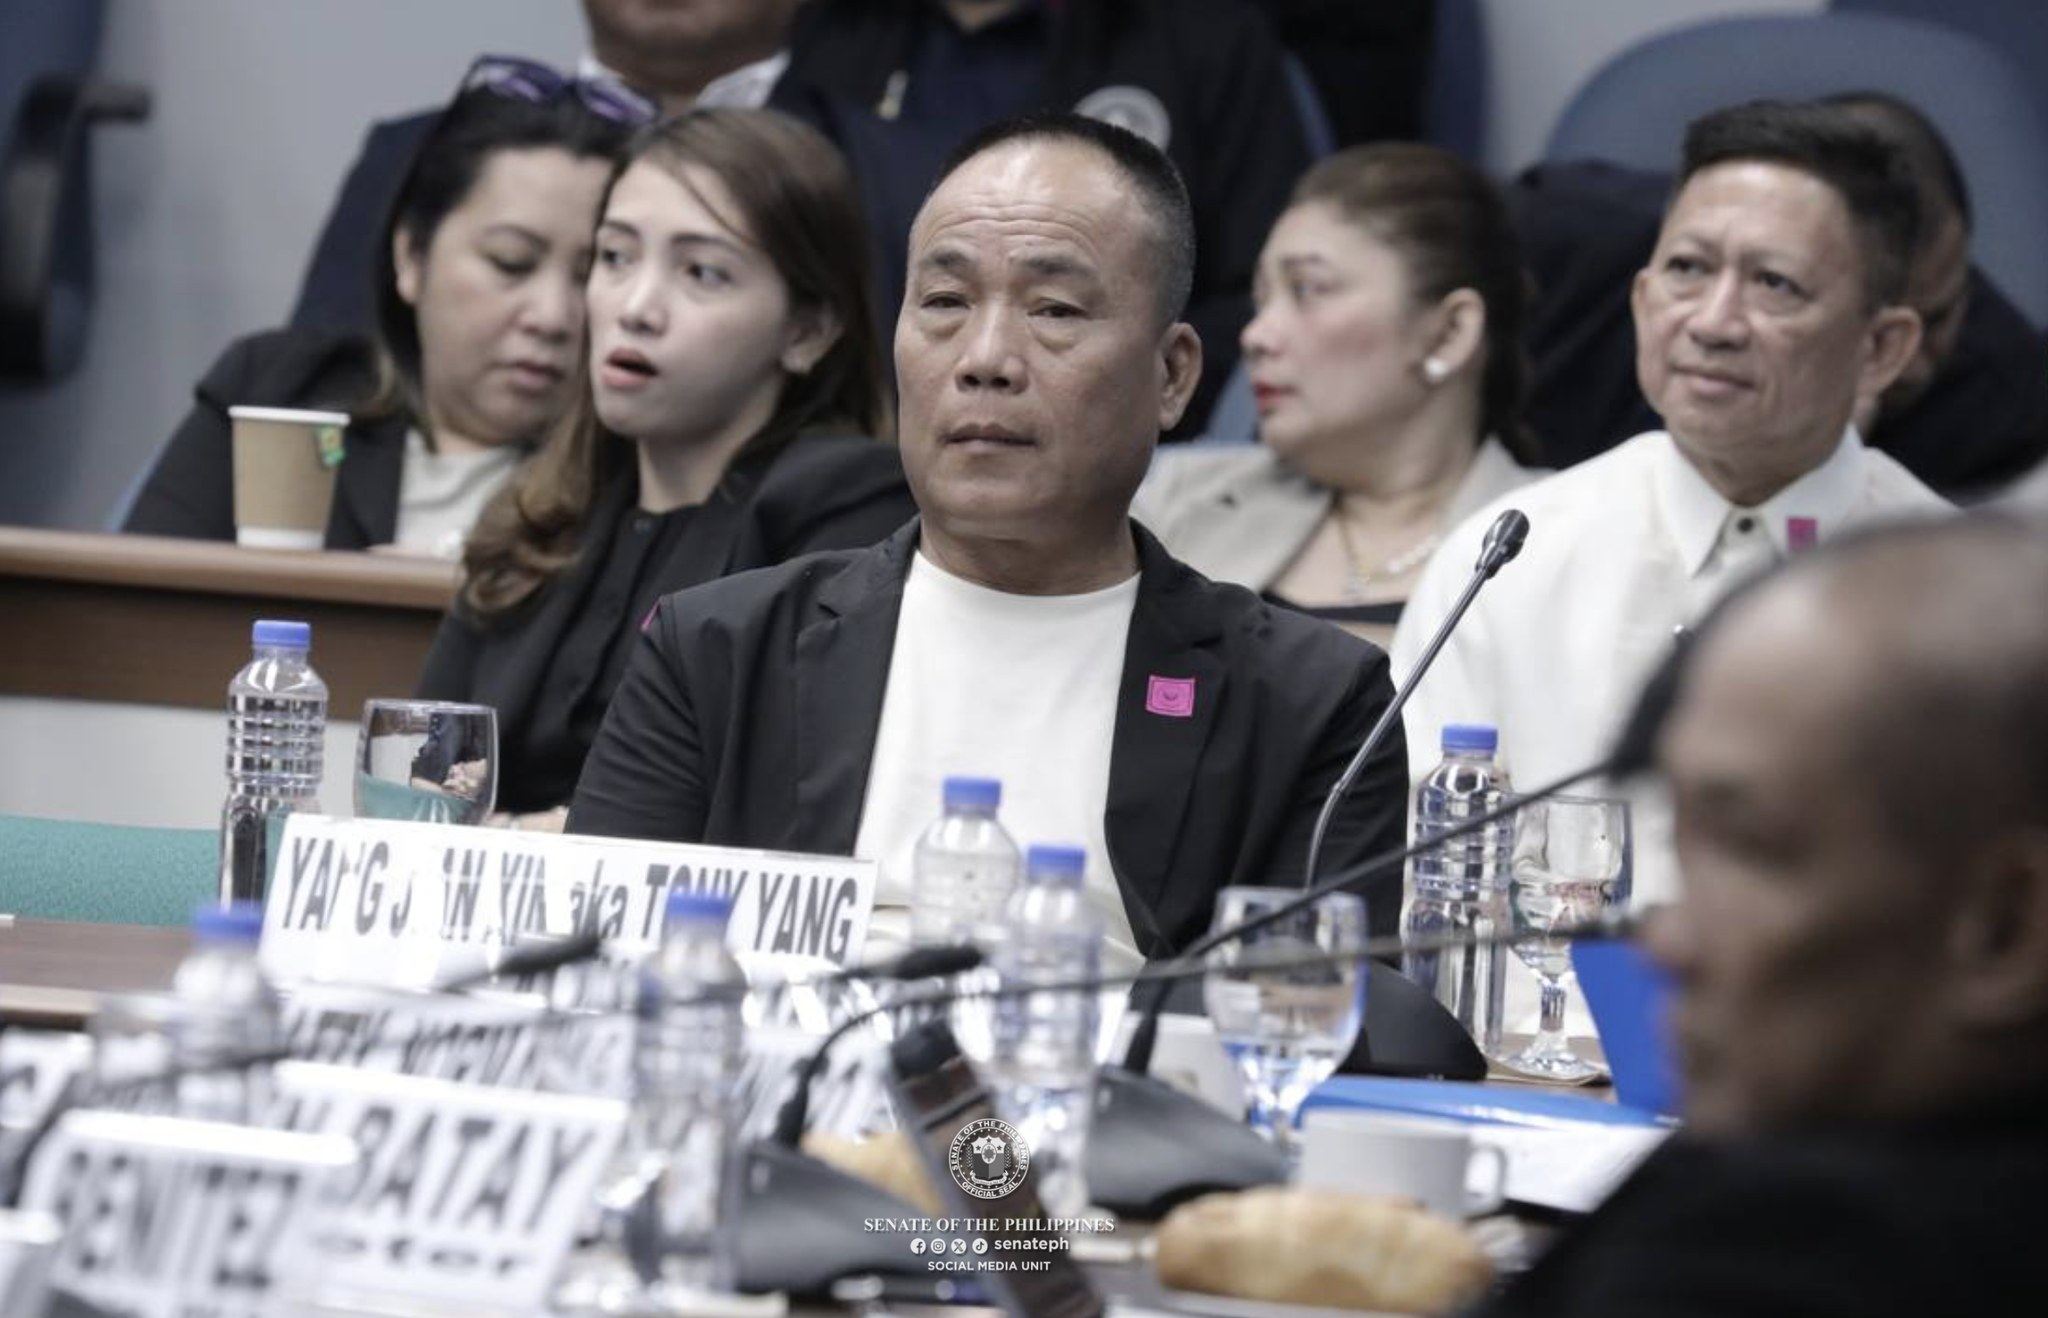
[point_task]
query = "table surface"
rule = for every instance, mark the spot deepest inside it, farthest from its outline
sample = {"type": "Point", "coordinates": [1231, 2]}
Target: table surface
{"type": "Point", "coordinates": [52, 972]}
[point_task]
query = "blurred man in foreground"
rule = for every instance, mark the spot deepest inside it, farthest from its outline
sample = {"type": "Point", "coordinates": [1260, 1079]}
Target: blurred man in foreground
{"type": "Point", "coordinates": [1856, 752]}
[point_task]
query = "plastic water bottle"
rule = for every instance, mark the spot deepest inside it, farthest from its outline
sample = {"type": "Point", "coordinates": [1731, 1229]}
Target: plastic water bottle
{"type": "Point", "coordinates": [964, 868]}
{"type": "Point", "coordinates": [1462, 886]}
{"type": "Point", "coordinates": [223, 1009]}
{"type": "Point", "coordinates": [686, 1060]}
{"type": "Point", "coordinates": [1042, 1065]}
{"type": "Point", "coordinates": [277, 729]}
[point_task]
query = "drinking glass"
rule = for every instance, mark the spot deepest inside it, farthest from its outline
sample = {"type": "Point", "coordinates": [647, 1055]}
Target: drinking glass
{"type": "Point", "coordinates": [1287, 1029]}
{"type": "Point", "coordinates": [430, 760]}
{"type": "Point", "coordinates": [1571, 859]}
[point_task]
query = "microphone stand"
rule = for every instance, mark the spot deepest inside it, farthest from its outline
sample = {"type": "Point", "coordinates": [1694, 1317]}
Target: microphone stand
{"type": "Point", "coordinates": [1503, 541]}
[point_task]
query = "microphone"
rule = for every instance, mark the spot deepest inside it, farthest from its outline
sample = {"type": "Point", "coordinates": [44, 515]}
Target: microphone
{"type": "Point", "coordinates": [1503, 541]}
{"type": "Point", "coordinates": [531, 959]}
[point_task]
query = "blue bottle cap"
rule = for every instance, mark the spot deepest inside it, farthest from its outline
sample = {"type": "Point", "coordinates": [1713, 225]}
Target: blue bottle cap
{"type": "Point", "coordinates": [237, 922]}
{"type": "Point", "coordinates": [685, 906]}
{"type": "Point", "coordinates": [973, 793]}
{"type": "Point", "coordinates": [284, 635]}
{"type": "Point", "coordinates": [1470, 738]}
{"type": "Point", "coordinates": [1041, 858]}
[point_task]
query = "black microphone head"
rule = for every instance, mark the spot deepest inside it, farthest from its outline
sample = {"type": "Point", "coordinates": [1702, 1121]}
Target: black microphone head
{"type": "Point", "coordinates": [1503, 541]}
{"type": "Point", "coordinates": [934, 961]}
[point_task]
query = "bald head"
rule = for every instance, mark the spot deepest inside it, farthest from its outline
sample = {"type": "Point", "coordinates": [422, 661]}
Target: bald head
{"type": "Point", "coordinates": [1856, 756]}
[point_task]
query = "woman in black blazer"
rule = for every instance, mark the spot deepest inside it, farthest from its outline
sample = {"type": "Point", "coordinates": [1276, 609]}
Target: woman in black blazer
{"type": "Point", "coordinates": [732, 379]}
{"type": "Point", "coordinates": [479, 317]}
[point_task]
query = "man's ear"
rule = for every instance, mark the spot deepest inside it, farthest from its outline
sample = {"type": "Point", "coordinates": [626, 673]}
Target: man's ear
{"type": "Point", "coordinates": [1894, 338]}
{"type": "Point", "coordinates": [407, 266]}
{"type": "Point", "coordinates": [1997, 972]}
{"type": "Point", "coordinates": [1180, 368]}
{"type": "Point", "coordinates": [812, 332]}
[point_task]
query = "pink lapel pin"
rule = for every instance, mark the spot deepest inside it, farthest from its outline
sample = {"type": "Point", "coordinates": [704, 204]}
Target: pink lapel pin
{"type": "Point", "coordinates": [1170, 697]}
{"type": "Point", "coordinates": [648, 621]}
{"type": "Point", "coordinates": [1801, 534]}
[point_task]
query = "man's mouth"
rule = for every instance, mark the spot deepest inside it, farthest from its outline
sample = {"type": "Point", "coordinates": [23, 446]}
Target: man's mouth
{"type": "Point", "coordinates": [989, 436]}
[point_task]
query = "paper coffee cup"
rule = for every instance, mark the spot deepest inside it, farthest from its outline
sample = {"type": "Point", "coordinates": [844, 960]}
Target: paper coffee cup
{"type": "Point", "coordinates": [285, 459]}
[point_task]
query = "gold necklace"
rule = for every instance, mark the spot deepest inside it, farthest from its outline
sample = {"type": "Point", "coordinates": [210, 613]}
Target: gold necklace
{"type": "Point", "coordinates": [1359, 576]}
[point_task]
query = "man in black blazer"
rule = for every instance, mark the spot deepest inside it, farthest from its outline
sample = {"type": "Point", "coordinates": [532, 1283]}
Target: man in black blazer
{"type": "Point", "coordinates": [1040, 353]}
{"type": "Point", "coordinates": [1861, 952]}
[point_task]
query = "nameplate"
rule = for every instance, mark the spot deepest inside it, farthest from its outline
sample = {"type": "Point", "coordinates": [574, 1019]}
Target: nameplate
{"type": "Point", "coordinates": [461, 1194]}
{"type": "Point", "coordinates": [407, 904]}
{"type": "Point", "coordinates": [35, 1065]}
{"type": "Point", "coordinates": [167, 1218]}
{"type": "Point", "coordinates": [27, 1243]}
{"type": "Point", "coordinates": [507, 1039]}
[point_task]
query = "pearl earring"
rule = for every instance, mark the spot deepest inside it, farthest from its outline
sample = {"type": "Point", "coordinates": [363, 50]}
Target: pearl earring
{"type": "Point", "coordinates": [1434, 370]}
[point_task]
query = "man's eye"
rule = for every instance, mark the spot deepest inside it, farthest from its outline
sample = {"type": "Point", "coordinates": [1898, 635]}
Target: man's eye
{"type": "Point", "coordinates": [1059, 311]}
{"type": "Point", "coordinates": [1683, 265]}
{"type": "Point", "coordinates": [942, 302]}
{"type": "Point", "coordinates": [1777, 283]}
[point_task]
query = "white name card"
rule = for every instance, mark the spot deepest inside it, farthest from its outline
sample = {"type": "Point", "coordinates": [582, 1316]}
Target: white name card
{"type": "Point", "coordinates": [462, 1194]}
{"type": "Point", "coordinates": [167, 1218]}
{"type": "Point", "coordinates": [507, 1039]}
{"type": "Point", "coordinates": [374, 901]}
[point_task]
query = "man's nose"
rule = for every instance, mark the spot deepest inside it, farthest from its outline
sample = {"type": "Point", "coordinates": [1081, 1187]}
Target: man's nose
{"type": "Point", "coordinates": [989, 358]}
{"type": "Point", "coordinates": [1667, 935]}
{"type": "Point", "coordinates": [1718, 319]}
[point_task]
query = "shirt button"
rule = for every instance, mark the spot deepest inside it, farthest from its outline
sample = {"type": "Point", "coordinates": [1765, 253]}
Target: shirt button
{"type": "Point", "coordinates": [642, 523]}
{"type": "Point", "coordinates": [1745, 524]}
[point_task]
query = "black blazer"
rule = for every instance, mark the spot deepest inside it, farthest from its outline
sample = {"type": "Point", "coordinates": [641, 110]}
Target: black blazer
{"type": "Point", "coordinates": [818, 492]}
{"type": "Point", "coordinates": [1890, 1223]}
{"type": "Point", "coordinates": [191, 490]}
{"type": "Point", "coordinates": [748, 717]}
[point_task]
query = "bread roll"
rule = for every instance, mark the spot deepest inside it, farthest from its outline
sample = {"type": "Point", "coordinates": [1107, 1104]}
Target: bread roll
{"type": "Point", "coordinates": [1321, 1247]}
{"type": "Point", "coordinates": [888, 1161]}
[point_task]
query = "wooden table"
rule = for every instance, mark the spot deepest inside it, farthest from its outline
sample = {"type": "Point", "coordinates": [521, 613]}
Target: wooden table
{"type": "Point", "coordinates": [52, 972]}
{"type": "Point", "coordinates": [154, 621]}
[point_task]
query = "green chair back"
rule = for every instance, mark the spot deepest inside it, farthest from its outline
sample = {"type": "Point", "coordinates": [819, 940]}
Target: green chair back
{"type": "Point", "coordinates": [53, 869]}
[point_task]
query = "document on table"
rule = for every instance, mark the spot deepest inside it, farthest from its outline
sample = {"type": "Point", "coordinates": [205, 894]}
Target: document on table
{"type": "Point", "coordinates": [1569, 1167]}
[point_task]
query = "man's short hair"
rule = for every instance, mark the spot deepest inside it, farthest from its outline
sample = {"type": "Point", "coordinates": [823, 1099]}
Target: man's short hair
{"type": "Point", "coordinates": [1928, 155]}
{"type": "Point", "coordinates": [1866, 170]}
{"type": "Point", "coordinates": [1156, 182]}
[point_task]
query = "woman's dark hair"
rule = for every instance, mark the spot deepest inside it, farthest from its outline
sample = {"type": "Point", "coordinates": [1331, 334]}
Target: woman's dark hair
{"type": "Point", "coordinates": [475, 126]}
{"type": "Point", "coordinates": [796, 201]}
{"type": "Point", "coordinates": [1451, 229]}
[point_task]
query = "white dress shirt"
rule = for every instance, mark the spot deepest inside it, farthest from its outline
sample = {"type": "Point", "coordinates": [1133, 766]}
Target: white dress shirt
{"type": "Point", "coordinates": [1623, 551]}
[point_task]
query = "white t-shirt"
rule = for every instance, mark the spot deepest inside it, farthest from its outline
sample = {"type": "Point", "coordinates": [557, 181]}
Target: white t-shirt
{"type": "Point", "coordinates": [440, 494]}
{"type": "Point", "coordinates": [1020, 688]}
